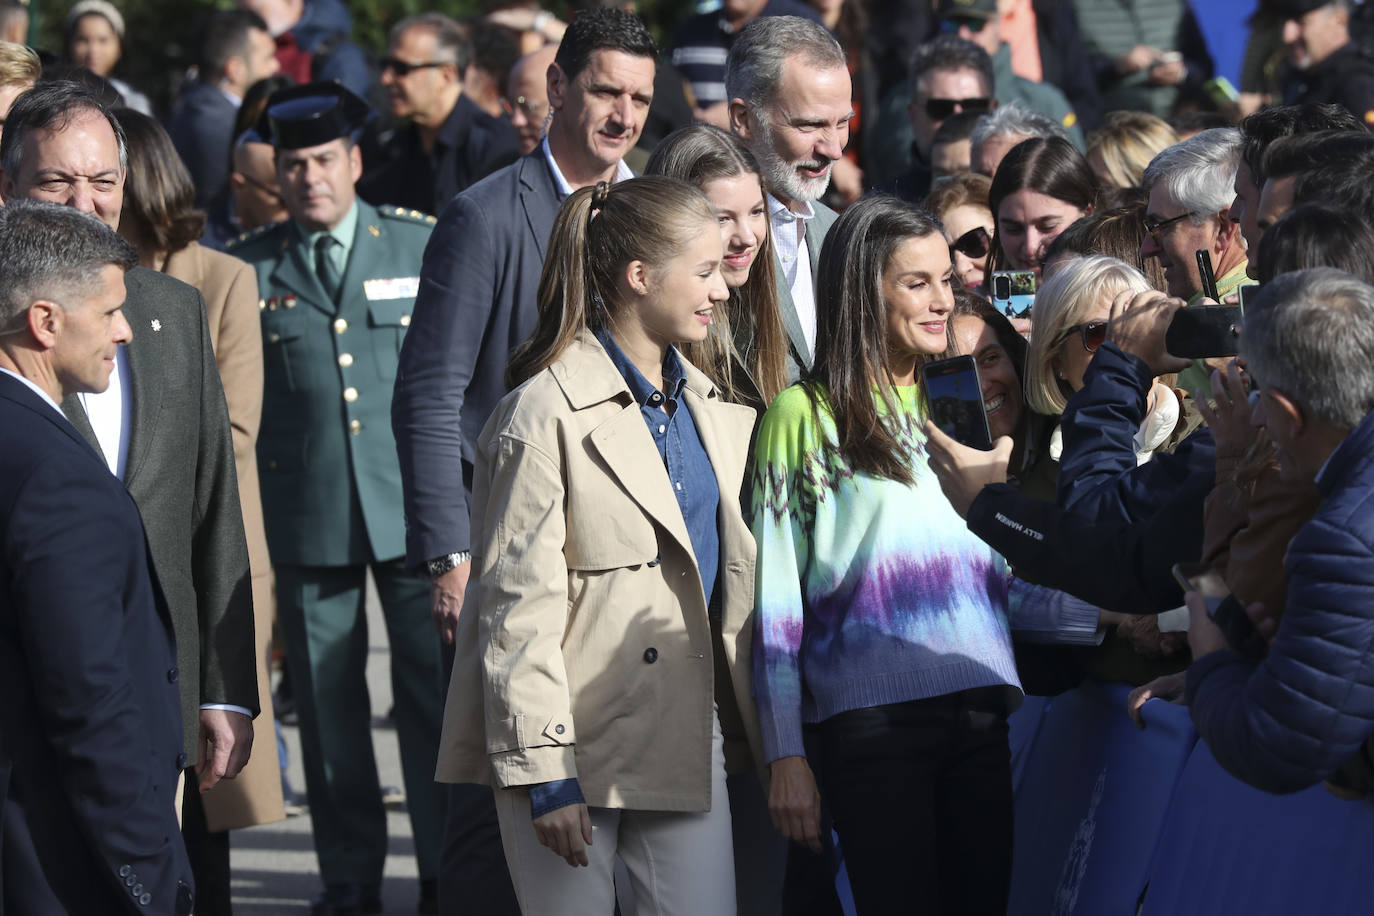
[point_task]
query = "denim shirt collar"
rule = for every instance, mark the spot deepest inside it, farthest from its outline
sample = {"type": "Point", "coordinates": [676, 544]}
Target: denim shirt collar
{"type": "Point", "coordinates": [674, 378]}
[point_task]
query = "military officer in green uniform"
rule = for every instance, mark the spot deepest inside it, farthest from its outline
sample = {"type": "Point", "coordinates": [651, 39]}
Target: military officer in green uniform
{"type": "Point", "coordinates": [337, 281]}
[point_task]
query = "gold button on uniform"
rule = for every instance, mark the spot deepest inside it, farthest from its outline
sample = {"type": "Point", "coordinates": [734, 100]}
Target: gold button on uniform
{"type": "Point", "coordinates": [355, 427]}
{"type": "Point", "coordinates": [340, 326]}
{"type": "Point", "coordinates": [345, 359]}
{"type": "Point", "coordinates": [405, 321]}
{"type": "Point", "coordinates": [350, 395]}
{"type": "Point", "coordinates": [274, 338]}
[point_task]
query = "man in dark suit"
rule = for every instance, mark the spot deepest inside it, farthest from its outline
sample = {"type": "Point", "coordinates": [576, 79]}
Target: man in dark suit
{"type": "Point", "coordinates": [338, 283]}
{"type": "Point", "coordinates": [446, 143]}
{"type": "Point", "coordinates": [793, 110]}
{"type": "Point", "coordinates": [162, 427]}
{"type": "Point", "coordinates": [90, 732]}
{"type": "Point", "coordinates": [476, 303]}
{"type": "Point", "coordinates": [236, 51]}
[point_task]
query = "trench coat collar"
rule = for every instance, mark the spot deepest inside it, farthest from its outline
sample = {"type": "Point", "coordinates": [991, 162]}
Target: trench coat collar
{"type": "Point", "coordinates": [587, 377]}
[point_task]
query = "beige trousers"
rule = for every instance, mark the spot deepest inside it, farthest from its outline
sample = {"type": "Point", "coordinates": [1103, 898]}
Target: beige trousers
{"type": "Point", "coordinates": [679, 864]}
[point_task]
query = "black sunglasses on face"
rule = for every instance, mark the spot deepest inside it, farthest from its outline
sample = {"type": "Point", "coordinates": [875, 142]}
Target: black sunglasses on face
{"type": "Point", "coordinates": [403, 69]}
{"type": "Point", "coordinates": [939, 109]}
{"type": "Point", "coordinates": [973, 244]}
{"type": "Point", "coordinates": [952, 24]}
{"type": "Point", "coordinates": [1093, 334]}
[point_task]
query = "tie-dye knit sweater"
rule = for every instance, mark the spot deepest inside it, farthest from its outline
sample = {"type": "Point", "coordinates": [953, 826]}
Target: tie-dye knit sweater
{"type": "Point", "coordinates": [869, 591]}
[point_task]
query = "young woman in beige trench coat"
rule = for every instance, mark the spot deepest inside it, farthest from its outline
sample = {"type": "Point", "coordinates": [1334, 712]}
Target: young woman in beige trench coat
{"type": "Point", "coordinates": [584, 686]}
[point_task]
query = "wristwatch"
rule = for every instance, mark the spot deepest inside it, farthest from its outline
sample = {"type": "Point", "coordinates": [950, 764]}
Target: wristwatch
{"type": "Point", "coordinates": [440, 565]}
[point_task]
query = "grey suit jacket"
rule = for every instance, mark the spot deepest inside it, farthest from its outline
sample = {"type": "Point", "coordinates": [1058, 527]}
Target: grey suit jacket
{"type": "Point", "coordinates": [799, 357]}
{"type": "Point", "coordinates": [475, 305]}
{"type": "Point", "coordinates": [180, 472]}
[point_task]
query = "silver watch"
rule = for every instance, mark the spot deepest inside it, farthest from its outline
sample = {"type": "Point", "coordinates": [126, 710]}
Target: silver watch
{"type": "Point", "coordinates": [440, 565]}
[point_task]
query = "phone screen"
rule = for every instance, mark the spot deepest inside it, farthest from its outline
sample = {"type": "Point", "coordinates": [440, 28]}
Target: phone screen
{"type": "Point", "coordinates": [1205, 581]}
{"type": "Point", "coordinates": [955, 395]}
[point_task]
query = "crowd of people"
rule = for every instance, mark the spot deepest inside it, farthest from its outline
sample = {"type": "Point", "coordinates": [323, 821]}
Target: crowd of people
{"type": "Point", "coordinates": [605, 365]}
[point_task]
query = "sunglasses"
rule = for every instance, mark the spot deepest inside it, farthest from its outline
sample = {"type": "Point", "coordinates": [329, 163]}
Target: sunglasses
{"type": "Point", "coordinates": [1092, 333]}
{"type": "Point", "coordinates": [973, 244]}
{"type": "Point", "coordinates": [952, 24]}
{"type": "Point", "coordinates": [939, 109]}
{"type": "Point", "coordinates": [403, 69]}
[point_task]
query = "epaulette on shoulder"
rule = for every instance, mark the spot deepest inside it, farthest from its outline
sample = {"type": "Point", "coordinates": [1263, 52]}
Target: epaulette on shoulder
{"type": "Point", "coordinates": [252, 235]}
{"type": "Point", "coordinates": [409, 216]}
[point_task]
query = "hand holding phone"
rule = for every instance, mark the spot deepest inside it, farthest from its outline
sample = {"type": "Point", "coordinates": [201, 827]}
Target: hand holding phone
{"type": "Point", "coordinates": [1222, 607]}
{"type": "Point", "coordinates": [955, 395]}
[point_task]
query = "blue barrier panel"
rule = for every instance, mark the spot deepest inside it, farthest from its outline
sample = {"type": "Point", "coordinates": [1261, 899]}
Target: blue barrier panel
{"type": "Point", "coordinates": [1091, 803]}
{"type": "Point", "coordinates": [1022, 727]}
{"type": "Point", "coordinates": [1227, 848]}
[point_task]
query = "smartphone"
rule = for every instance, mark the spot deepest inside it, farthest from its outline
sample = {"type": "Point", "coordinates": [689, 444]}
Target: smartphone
{"type": "Point", "coordinates": [1248, 292]}
{"type": "Point", "coordinates": [1221, 92]}
{"type": "Point", "coordinates": [1013, 292]}
{"type": "Point", "coordinates": [955, 395]}
{"type": "Point", "coordinates": [1202, 331]}
{"type": "Point", "coordinates": [1203, 579]}
{"type": "Point", "coordinates": [1209, 278]}
{"type": "Point", "coordinates": [1222, 607]}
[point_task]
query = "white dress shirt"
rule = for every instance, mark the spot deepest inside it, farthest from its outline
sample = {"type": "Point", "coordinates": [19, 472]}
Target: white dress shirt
{"type": "Point", "coordinates": [622, 171]}
{"type": "Point", "coordinates": [789, 241]}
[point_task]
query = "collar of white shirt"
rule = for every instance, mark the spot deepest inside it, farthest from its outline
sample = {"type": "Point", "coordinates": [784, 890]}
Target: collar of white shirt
{"type": "Point", "coordinates": [622, 171]}
{"type": "Point", "coordinates": [36, 390]}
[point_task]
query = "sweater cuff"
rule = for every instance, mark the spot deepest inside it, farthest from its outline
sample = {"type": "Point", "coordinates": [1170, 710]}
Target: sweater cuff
{"type": "Point", "coordinates": [550, 796]}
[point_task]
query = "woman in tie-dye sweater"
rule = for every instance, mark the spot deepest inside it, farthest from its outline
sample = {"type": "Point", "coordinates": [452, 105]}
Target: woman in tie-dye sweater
{"type": "Point", "coordinates": [881, 620]}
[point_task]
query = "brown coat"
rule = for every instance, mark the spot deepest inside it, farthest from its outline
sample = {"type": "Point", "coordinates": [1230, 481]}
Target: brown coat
{"type": "Point", "coordinates": [230, 289]}
{"type": "Point", "coordinates": [585, 648]}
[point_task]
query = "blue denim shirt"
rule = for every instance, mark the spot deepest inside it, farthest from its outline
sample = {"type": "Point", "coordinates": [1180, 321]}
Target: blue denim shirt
{"type": "Point", "coordinates": [694, 483]}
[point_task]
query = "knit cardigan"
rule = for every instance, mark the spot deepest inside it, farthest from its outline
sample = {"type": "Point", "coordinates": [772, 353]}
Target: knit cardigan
{"type": "Point", "coordinates": [869, 591]}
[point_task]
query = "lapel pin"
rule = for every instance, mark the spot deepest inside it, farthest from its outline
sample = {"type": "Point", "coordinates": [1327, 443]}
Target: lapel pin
{"type": "Point", "coordinates": [157, 325]}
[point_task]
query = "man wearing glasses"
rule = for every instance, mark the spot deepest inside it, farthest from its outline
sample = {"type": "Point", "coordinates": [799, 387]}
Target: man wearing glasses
{"type": "Point", "coordinates": [447, 142]}
{"type": "Point", "coordinates": [956, 72]}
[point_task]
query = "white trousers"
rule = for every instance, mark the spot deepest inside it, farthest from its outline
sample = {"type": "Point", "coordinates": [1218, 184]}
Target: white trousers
{"type": "Point", "coordinates": [680, 864]}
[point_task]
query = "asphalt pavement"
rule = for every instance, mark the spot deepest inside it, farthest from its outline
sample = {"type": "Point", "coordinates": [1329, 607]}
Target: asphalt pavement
{"type": "Point", "coordinates": [273, 866]}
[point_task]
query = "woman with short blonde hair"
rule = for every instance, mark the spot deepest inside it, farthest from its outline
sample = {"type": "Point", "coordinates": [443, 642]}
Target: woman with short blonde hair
{"type": "Point", "coordinates": [1120, 150]}
{"type": "Point", "coordinates": [1071, 312]}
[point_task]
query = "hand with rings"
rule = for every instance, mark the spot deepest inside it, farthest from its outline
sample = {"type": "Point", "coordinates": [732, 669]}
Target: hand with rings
{"type": "Point", "coordinates": [1230, 419]}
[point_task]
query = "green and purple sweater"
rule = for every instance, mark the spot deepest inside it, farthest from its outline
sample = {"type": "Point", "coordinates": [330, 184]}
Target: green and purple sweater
{"type": "Point", "coordinates": [869, 591]}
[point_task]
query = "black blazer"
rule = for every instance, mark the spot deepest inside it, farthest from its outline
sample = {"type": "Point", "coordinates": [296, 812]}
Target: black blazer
{"type": "Point", "coordinates": [471, 145]}
{"type": "Point", "coordinates": [475, 305]}
{"type": "Point", "coordinates": [202, 129]}
{"type": "Point", "coordinates": [180, 472]}
{"type": "Point", "coordinates": [90, 729]}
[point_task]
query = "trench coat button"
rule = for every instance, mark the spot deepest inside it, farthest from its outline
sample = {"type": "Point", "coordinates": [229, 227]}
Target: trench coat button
{"type": "Point", "coordinates": [559, 729]}
{"type": "Point", "coordinates": [340, 326]}
{"type": "Point", "coordinates": [181, 761]}
{"type": "Point", "coordinates": [350, 394]}
{"type": "Point", "coordinates": [345, 359]}
{"type": "Point", "coordinates": [650, 655]}
{"type": "Point", "coordinates": [124, 871]}
{"type": "Point", "coordinates": [171, 675]}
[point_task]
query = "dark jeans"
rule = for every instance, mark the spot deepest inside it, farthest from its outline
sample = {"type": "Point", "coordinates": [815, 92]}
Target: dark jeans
{"type": "Point", "coordinates": [921, 797]}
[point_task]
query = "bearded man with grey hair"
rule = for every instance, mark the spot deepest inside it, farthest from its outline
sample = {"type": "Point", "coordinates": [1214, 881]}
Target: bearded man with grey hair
{"type": "Point", "coordinates": [789, 89]}
{"type": "Point", "coordinates": [1307, 710]}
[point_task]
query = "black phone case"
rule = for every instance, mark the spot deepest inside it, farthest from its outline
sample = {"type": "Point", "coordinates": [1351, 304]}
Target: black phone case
{"type": "Point", "coordinates": [958, 420]}
{"type": "Point", "coordinates": [1200, 331]}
